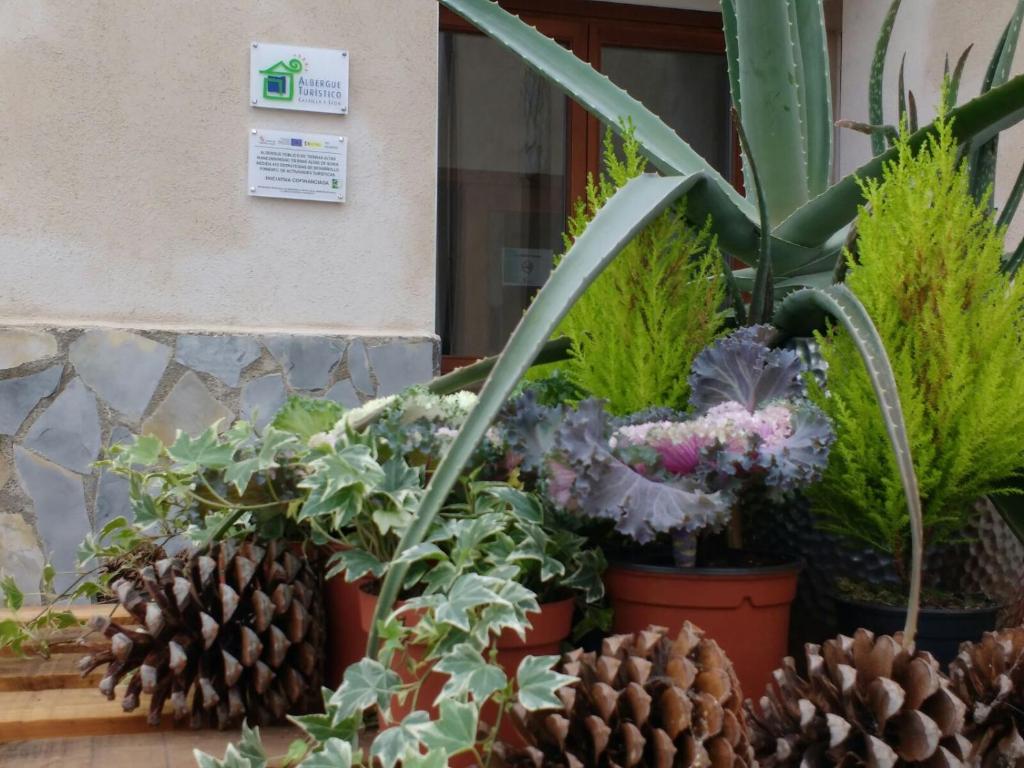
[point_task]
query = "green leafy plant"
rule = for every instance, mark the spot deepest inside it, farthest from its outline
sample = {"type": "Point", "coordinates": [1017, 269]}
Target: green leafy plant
{"type": "Point", "coordinates": [454, 633]}
{"type": "Point", "coordinates": [652, 310]}
{"type": "Point", "coordinates": [927, 271]}
{"type": "Point", "coordinates": [798, 242]}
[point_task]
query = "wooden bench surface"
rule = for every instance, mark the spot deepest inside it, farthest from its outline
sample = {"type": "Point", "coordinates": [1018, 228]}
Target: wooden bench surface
{"type": "Point", "coordinates": [51, 716]}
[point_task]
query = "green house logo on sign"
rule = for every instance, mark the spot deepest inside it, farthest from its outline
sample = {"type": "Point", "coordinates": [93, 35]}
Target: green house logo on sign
{"type": "Point", "coordinates": [279, 80]}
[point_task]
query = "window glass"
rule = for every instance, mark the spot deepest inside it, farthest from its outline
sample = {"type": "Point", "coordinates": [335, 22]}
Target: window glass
{"type": "Point", "coordinates": [501, 190]}
{"type": "Point", "coordinates": [689, 91]}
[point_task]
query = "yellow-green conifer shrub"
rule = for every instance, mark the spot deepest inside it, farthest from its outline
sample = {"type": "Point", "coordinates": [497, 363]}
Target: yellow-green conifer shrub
{"type": "Point", "coordinates": [928, 274]}
{"type": "Point", "coordinates": [636, 330]}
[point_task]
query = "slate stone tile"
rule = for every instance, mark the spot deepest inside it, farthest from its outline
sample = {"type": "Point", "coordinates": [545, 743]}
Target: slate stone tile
{"type": "Point", "coordinates": [401, 365]}
{"type": "Point", "coordinates": [6, 468]}
{"type": "Point", "coordinates": [122, 368]}
{"type": "Point", "coordinates": [59, 502]}
{"type": "Point", "coordinates": [344, 394]}
{"type": "Point", "coordinates": [68, 431]}
{"type": "Point", "coordinates": [222, 356]}
{"type": "Point", "coordinates": [262, 398]}
{"type": "Point", "coordinates": [190, 407]}
{"type": "Point", "coordinates": [25, 345]}
{"type": "Point", "coordinates": [359, 368]}
{"type": "Point", "coordinates": [112, 499]}
{"type": "Point", "coordinates": [20, 555]}
{"type": "Point", "coordinates": [19, 396]}
{"type": "Point", "coordinates": [307, 361]}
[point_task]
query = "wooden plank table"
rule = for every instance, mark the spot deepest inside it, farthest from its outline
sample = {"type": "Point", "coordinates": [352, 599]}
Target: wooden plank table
{"type": "Point", "coordinates": [51, 716]}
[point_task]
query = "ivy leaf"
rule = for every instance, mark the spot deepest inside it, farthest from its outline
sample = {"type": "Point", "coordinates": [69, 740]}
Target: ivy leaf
{"type": "Point", "coordinates": [440, 578]}
{"type": "Point", "coordinates": [355, 563]}
{"type": "Point", "coordinates": [250, 745]}
{"type": "Point", "coordinates": [232, 759]}
{"type": "Point", "coordinates": [435, 758]}
{"type": "Point", "coordinates": [240, 473]}
{"type": "Point", "coordinates": [424, 551]}
{"type": "Point", "coordinates": [335, 753]}
{"type": "Point", "coordinates": [537, 682]}
{"type": "Point", "coordinates": [367, 682]}
{"type": "Point", "coordinates": [391, 744]}
{"type": "Point", "coordinates": [248, 754]}
{"type": "Point", "coordinates": [469, 673]}
{"type": "Point", "coordinates": [393, 519]}
{"type": "Point", "coordinates": [590, 564]}
{"type": "Point", "coordinates": [296, 751]}
{"type": "Point", "coordinates": [50, 573]}
{"type": "Point", "coordinates": [455, 730]}
{"type": "Point", "coordinates": [13, 597]}
{"type": "Point", "coordinates": [144, 451]}
{"type": "Point", "coordinates": [526, 506]}
{"type": "Point", "coordinates": [205, 451]}
{"type": "Point", "coordinates": [353, 465]}
{"type": "Point", "coordinates": [305, 417]}
{"type": "Point", "coordinates": [469, 591]}
{"type": "Point", "coordinates": [323, 727]}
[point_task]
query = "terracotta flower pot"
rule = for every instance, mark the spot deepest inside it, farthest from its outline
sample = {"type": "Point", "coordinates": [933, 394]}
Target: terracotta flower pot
{"type": "Point", "coordinates": [346, 637]}
{"type": "Point", "coordinates": [549, 628]}
{"type": "Point", "coordinates": [746, 610]}
{"type": "Point", "coordinates": [939, 630]}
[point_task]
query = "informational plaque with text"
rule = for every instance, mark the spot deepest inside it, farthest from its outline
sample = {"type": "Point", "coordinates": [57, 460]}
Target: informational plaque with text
{"type": "Point", "coordinates": [297, 166]}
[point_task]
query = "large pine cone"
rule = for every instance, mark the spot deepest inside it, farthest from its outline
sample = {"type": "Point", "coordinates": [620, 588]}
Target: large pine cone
{"type": "Point", "coordinates": [866, 701]}
{"type": "Point", "coordinates": [646, 700]}
{"type": "Point", "coordinates": [989, 677]}
{"type": "Point", "coordinates": [232, 632]}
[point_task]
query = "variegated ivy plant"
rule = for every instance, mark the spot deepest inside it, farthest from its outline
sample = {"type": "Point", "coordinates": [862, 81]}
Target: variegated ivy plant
{"type": "Point", "coordinates": [455, 631]}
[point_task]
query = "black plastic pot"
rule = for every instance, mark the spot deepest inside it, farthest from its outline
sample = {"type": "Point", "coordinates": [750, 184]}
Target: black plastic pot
{"type": "Point", "coordinates": [939, 630]}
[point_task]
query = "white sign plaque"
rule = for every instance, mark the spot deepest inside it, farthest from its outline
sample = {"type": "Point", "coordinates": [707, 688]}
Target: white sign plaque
{"type": "Point", "coordinates": [527, 267]}
{"type": "Point", "coordinates": [307, 79]}
{"type": "Point", "coordinates": [297, 166]}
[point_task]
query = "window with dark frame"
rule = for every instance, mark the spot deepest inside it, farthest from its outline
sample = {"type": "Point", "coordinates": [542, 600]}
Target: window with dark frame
{"type": "Point", "coordinates": [514, 152]}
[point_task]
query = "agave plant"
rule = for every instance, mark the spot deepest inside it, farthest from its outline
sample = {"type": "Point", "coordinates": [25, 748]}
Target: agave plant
{"type": "Point", "coordinates": [790, 230]}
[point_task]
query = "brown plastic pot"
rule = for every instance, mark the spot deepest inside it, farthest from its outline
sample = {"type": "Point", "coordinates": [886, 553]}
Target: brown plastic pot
{"type": "Point", "coordinates": [346, 637]}
{"type": "Point", "coordinates": [746, 610]}
{"type": "Point", "coordinates": [548, 629]}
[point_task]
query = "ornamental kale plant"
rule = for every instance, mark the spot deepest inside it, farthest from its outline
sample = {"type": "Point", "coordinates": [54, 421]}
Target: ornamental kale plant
{"type": "Point", "coordinates": [753, 432]}
{"type": "Point", "coordinates": [928, 272]}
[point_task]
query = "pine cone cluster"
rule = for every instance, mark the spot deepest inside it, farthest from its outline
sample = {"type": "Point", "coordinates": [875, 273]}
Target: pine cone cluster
{"type": "Point", "coordinates": [989, 676]}
{"type": "Point", "coordinates": [646, 700]}
{"type": "Point", "coordinates": [233, 632]}
{"type": "Point", "coordinates": [865, 701]}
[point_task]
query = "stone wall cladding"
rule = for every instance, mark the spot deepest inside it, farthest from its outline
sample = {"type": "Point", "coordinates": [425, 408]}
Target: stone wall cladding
{"type": "Point", "coordinates": [67, 394]}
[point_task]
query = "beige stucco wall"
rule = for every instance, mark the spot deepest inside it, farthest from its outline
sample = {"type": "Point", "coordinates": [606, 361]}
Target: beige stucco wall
{"type": "Point", "coordinates": [123, 155]}
{"type": "Point", "coordinates": [926, 30]}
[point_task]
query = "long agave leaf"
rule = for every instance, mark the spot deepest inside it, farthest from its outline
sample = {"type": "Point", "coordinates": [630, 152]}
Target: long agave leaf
{"type": "Point", "coordinates": [553, 351]}
{"type": "Point", "coordinates": [616, 224]}
{"type": "Point", "coordinates": [811, 37]}
{"type": "Point", "coordinates": [984, 153]}
{"type": "Point", "coordinates": [1012, 262]}
{"type": "Point", "coordinates": [732, 58]}
{"type": "Point", "coordinates": [771, 83]}
{"type": "Point", "coordinates": [795, 318]}
{"type": "Point", "coordinates": [761, 295]}
{"type": "Point", "coordinates": [1013, 200]}
{"type": "Point", "coordinates": [953, 87]}
{"type": "Point", "coordinates": [901, 91]}
{"type": "Point", "coordinates": [736, 222]}
{"type": "Point", "coordinates": [876, 111]}
{"type": "Point", "coordinates": [979, 119]}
